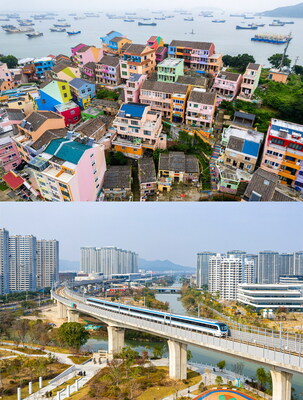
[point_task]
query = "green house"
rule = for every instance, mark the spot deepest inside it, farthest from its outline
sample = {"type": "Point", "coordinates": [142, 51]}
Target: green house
{"type": "Point", "coordinates": [170, 69]}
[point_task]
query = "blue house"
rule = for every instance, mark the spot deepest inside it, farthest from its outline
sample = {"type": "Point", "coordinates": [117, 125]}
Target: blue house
{"type": "Point", "coordinates": [111, 35]}
{"type": "Point", "coordinates": [42, 65]}
{"type": "Point", "coordinates": [82, 91]}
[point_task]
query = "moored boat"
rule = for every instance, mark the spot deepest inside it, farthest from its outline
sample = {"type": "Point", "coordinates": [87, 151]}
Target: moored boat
{"type": "Point", "coordinates": [188, 19]}
{"type": "Point", "coordinates": [34, 34]}
{"type": "Point", "coordinates": [251, 27]}
{"type": "Point", "coordinates": [147, 24]}
{"type": "Point", "coordinates": [273, 39]}
{"type": "Point", "coordinates": [219, 21]}
{"type": "Point", "coordinates": [129, 20]}
{"type": "Point", "coordinates": [57, 29]}
{"type": "Point", "coordinates": [66, 25]}
{"type": "Point", "coordinates": [73, 32]}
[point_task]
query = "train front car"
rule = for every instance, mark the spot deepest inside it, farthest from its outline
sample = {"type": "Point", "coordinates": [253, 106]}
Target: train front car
{"type": "Point", "coordinates": [223, 328]}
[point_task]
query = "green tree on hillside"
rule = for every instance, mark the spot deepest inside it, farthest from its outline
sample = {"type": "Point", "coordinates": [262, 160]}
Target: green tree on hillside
{"type": "Point", "coordinates": [240, 61]}
{"type": "Point", "coordinates": [276, 59]}
{"type": "Point", "coordinates": [10, 60]}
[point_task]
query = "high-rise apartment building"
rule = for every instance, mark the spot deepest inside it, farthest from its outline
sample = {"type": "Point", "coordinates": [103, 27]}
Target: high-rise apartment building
{"type": "Point", "coordinates": [298, 263]}
{"type": "Point", "coordinates": [47, 267]}
{"type": "Point", "coordinates": [268, 267]}
{"type": "Point", "coordinates": [225, 274]}
{"type": "Point", "coordinates": [249, 271]}
{"type": "Point", "coordinates": [4, 261]}
{"type": "Point", "coordinates": [23, 271]}
{"type": "Point", "coordinates": [286, 266]}
{"type": "Point", "coordinates": [108, 260]}
{"type": "Point", "coordinates": [202, 267]}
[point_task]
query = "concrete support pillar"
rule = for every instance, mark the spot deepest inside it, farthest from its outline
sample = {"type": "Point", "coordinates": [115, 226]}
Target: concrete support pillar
{"type": "Point", "coordinates": [281, 385]}
{"type": "Point", "coordinates": [68, 391]}
{"type": "Point", "coordinates": [40, 382]}
{"type": "Point", "coordinates": [177, 360]}
{"type": "Point", "coordinates": [77, 385]}
{"type": "Point", "coordinates": [59, 395]}
{"type": "Point", "coordinates": [115, 340]}
{"type": "Point", "coordinates": [72, 315]}
{"type": "Point", "coordinates": [19, 394]}
{"type": "Point", "coordinates": [30, 387]}
{"type": "Point", "coordinates": [62, 310]}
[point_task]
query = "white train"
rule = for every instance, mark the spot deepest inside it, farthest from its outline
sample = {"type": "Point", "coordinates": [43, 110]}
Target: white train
{"type": "Point", "coordinates": [212, 327]}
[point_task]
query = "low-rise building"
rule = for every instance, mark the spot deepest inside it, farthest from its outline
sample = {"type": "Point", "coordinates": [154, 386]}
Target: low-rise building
{"type": "Point", "coordinates": [250, 81]}
{"type": "Point", "coordinates": [227, 85]}
{"type": "Point", "coordinates": [200, 56]}
{"type": "Point", "coordinates": [176, 167]}
{"type": "Point", "coordinates": [116, 44]}
{"type": "Point", "coordinates": [155, 42]}
{"type": "Point", "coordinates": [98, 130]}
{"type": "Point", "coordinates": [9, 119]}
{"type": "Point", "coordinates": [243, 120]}
{"type": "Point", "coordinates": [70, 169]}
{"type": "Point", "coordinates": [9, 155]}
{"type": "Point", "coordinates": [138, 128]}
{"type": "Point", "coordinates": [86, 54]}
{"type": "Point", "coordinates": [242, 148]}
{"type": "Point", "coordinates": [277, 75]}
{"type": "Point", "coordinates": [201, 108]}
{"type": "Point", "coordinates": [52, 93]}
{"type": "Point", "coordinates": [283, 152]}
{"type": "Point", "coordinates": [88, 71]}
{"type": "Point", "coordinates": [108, 71]}
{"type": "Point", "coordinates": [117, 183]}
{"type": "Point", "coordinates": [168, 98]}
{"type": "Point", "coordinates": [6, 85]}
{"type": "Point", "coordinates": [147, 177]}
{"type": "Point", "coordinates": [82, 91]}
{"type": "Point", "coordinates": [65, 71]}
{"type": "Point", "coordinates": [161, 54]}
{"type": "Point", "coordinates": [170, 69]}
{"type": "Point", "coordinates": [42, 65]}
{"type": "Point", "coordinates": [32, 128]}
{"type": "Point", "coordinates": [272, 296]}
{"type": "Point", "coordinates": [138, 59]}
{"type": "Point", "coordinates": [24, 103]}
{"type": "Point", "coordinates": [132, 88]}
{"type": "Point", "coordinates": [109, 107]}
{"type": "Point", "coordinates": [70, 111]}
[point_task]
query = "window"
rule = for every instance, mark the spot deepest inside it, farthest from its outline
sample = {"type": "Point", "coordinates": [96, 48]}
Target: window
{"type": "Point", "coordinates": [296, 146]}
{"type": "Point", "coordinates": [65, 95]}
{"type": "Point", "coordinates": [247, 158]}
{"type": "Point", "coordinates": [280, 142]}
{"type": "Point", "coordinates": [63, 87]}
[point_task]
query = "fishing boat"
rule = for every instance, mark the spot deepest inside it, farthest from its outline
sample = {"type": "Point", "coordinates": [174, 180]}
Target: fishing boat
{"type": "Point", "coordinates": [34, 34]}
{"type": "Point", "coordinates": [73, 32]}
{"type": "Point", "coordinates": [25, 23]}
{"type": "Point", "coordinates": [219, 21]}
{"type": "Point", "coordinates": [259, 25]}
{"type": "Point", "coordinates": [146, 19]}
{"type": "Point", "coordinates": [133, 13]}
{"type": "Point", "coordinates": [22, 29]}
{"type": "Point", "coordinates": [12, 16]}
{"type": "Point", "coordinates": [129, 20]}
{"type": "Point", "coordinates": [276, 23]}
{"type": "Point", "coordinates": [147, 24]}
{"type": "Point", "coordinates": [92, 15]}
{"type": "Point", "coordinates": [189, 19]}
{"type": "Point", "coordinates": [66, 25]}
{"type": "Point", "coordinates": [160, 18]}
{"type": "Point", "coordinates": [283, 22]}
{"type": "Point", "coordinates": [273, 39]}
{"type": "Point", "coordinates": [251, 27]}
{"type": "Point", "coordinates": [8, 27]}
{"type": "Point", "coordinates": [57, 29]}
{"type": "Point", "coordinates": [237, 15]}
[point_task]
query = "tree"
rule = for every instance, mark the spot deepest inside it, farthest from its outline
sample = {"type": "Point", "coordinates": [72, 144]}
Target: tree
{"type": "Point", "coordinates": [189, 355]}
{"type": "Point", "coordinates": [261, 377]}
{"type": "Point", "coordinates": [298, 69]}
{"type": "Point", "coordinates": [221, 364]}
{"type": "Point", "coordinates": [10, 60]}
{"type": "Point", "coordinates": [276, 59]}
{"type": "Point", "coordinates": [240, 61]}
{"type": "Point", "coordinates": [219, 380]}
{"type": "Point", "coordinates": [73, 334]}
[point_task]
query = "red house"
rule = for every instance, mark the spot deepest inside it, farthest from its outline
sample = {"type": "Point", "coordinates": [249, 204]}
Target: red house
{"type": "Point", "coordinates": [70, 111]}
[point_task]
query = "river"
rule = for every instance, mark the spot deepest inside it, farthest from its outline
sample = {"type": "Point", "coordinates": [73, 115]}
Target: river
{"type": "Point", "coordinates": [200, 355]}
{"type": "Point", "coordinates": [227, 39]}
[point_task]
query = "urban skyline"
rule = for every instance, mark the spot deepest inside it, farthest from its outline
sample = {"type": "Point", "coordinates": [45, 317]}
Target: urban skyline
{"type": "Point", "coordinates": [191, 229]}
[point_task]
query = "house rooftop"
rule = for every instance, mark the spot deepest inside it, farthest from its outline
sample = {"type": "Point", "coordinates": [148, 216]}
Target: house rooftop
{"type": "Point", "coordinates": [253, 66]}
{"type": "Point", "coordinates": [229, 76]}
{"type": "Point", "coordinates": [132, 110]}
{"type": "Point", "coordinates": [262, 186]}
{"type": "Point", "coordinates": [134, 77]}
{"type": "Point", "coordinates": [47, 137]}
{"type": "Point", "coordinates": [67, 150]}
{"type": "Point", "coordinates": [244, 141]}
{"type": "Point", "coordinates": [112, 61]}
{"type": "Point", "coordinates": [136, 49]}
{"type": "Point", "coordinates": [77, 83]}
{"type": "Point", "coordinates": [66, 106]}
{"type": "Point", "coordinates": [191, 44]}
{"type": "Point", "coordinates": [37, 119]}
{"type": "Point", "coordinates": [164, 87]}
{"type": "Point", "coordinates": [171, 62]}
{"type": "Point", "coordinates": [178, 162]}
{"type": "Point", "coordinates": [198, 96]}
{"type": "Point", "coordinates": [91, 126]}
{"type": "Point", "coordinates": [90, 65]}
{"type": "Point", "coordinates": [60, 66]}
{"type": "Point", "coordinates": [117, 177]}
{"type": "Point", "coordinates": [147, 170]}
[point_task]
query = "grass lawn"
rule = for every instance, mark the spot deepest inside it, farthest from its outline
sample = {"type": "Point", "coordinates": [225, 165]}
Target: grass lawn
{"type": "Point", "coordinates": [79, 359]}
{"type": "Point", "coordinates": [27, 350]}
{"type": "Point", "coordinates": [63, 386]}
{"type": "Point", "coordinates": [24, 391]}
{"type": "Point", "coordinates": [81, 394]}
{"type": "Point", "coordinates": [4, 353]}
{"type": "Point", "coordinates": [3, 186]}
{"type": "Point", "coordinates": [158, 392]}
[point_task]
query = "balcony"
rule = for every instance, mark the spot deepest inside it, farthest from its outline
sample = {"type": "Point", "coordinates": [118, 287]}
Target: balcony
{"type": "Point", "coordinates": [291, 164]}
{"type": "Point", "coordinates": [287, 174]}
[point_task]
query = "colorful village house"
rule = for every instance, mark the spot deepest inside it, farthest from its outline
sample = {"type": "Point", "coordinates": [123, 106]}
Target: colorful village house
{"type": "Point", "coordinates": [82, 91]}
{"type": "Point", "coordinates": [53, 93]}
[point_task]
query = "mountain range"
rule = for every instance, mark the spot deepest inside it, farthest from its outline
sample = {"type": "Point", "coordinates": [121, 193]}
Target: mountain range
{"type": "Point", "coordinates": [295, 11]}
{"type": "Point", "coordinates": [155, 265]}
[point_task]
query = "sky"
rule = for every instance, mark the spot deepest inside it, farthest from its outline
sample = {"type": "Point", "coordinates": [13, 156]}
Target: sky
{"type": "Point", "coordinates": [174, 231]}
{"type": "Point", "coordinates": [100, 5]}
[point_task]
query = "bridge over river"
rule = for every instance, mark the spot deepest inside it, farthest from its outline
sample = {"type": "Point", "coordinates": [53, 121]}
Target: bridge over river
{"type": "Point", "coordinates": [281, 353]}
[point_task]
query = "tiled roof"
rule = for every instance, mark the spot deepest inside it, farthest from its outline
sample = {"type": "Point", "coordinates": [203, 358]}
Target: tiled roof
{"type": "Point", "coordinates": [14, 114]}
{"type": "Point", "coordinates": [90, 65]}
{"type": "Point", "coordinates": [147, 170]}
{"type": "Point", "coordinates": [77, 83]}
{"type": "Point", "coordinates": [110, 60]}
{"type": "Point", "coordinates": [161, 49]}
{"type": "Point", "coordinates": [190, 44]}
{"type": "Point", "coordinates": [47, 137]}
{"type": "Point", "coordinates": [118, 177]}
{"type": "Point", "coordinates": [37, 118]}
{"type": "Point", "coordinates": [91, 126]}
{"type": "Point", "coordinates": [164, 87]}
{"type": "Point", "coordinates": [83, 49]}
{"type": "Point", "coordinates": [13, 180]}
{"type": "Point", "coordinates": [136, 49]}
{"type": "Point", "coordinates": [262, 186]}
{"type": "Point", "coordinates": [62, 65]}
{"type": "Point", "coordinates": [196, 96]}
{"type": "Point", "coordinates": [229, 76]}
{"type": "Point", "coordinates": [192, 80]}
{"type": "Point", "coordinates": [116, 39]}
{"type": "Point", "coordinates": [253, 66]}
{"type": "Point", "coordinates": [178, 162]}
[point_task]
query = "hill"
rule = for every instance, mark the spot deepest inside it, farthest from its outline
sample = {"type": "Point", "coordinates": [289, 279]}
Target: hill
{"type": "Point", "coordinates": [295, 11]}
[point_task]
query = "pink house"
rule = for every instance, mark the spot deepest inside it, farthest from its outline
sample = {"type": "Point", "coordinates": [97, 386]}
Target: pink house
{"type": "Point", "coordinates": [161, 54]}
{"type": "Point", "coordinates": [9, 118]}
{"type": "Point", "coordinates": [9, 155]}
{"type": "Point", "coordinates": [76, 49]}
{"type": "Point", "coordinates": [133, 87]}
{"type": "Point", "coordinates": [88, 54]}
{"type": "Point", "coordinates": [70, 169]}
{"type": "Point", "coordinates": [201, 108]}
{"type": "Point", "coordinates": [227, 85]}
